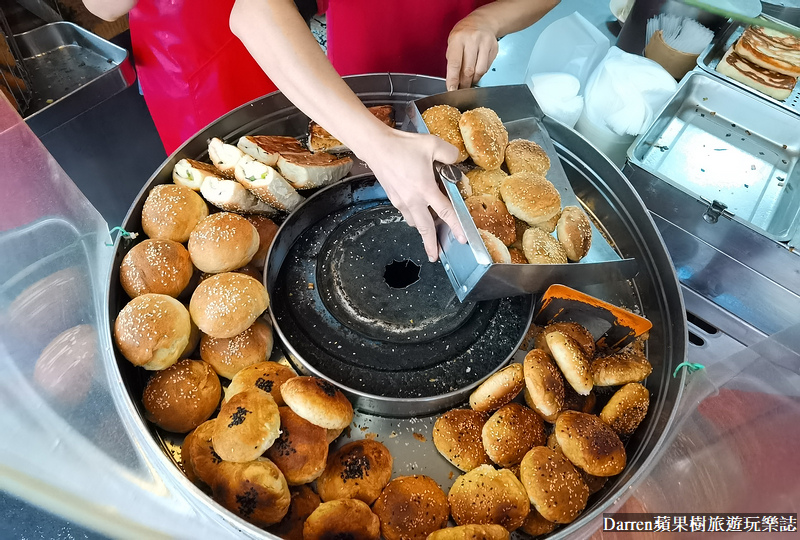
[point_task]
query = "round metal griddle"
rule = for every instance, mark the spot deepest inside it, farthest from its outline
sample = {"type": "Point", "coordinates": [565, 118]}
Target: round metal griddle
{"type": "Point", "coordinates": [356, 301]}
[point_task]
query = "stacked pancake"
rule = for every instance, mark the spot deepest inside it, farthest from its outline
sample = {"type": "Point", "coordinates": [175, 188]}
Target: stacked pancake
{"type": "Point", "coordinates": [764, 59]}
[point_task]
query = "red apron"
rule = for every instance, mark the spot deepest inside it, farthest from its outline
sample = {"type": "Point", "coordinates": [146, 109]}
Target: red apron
{"type": "Point", "coordinates": [192, 69]}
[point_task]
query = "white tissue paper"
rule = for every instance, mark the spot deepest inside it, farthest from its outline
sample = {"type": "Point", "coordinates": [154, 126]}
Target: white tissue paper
{"type": "Point", "coordinates": [557, 95]}
{"type": "Point", "coordinates": [626, 91]}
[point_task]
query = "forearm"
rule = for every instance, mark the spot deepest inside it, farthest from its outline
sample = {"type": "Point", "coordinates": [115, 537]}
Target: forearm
{"type": "Point", "coordinates": [109, 10]}
{"type": "Point", "coordinates": [508, 16]}
{"type": "Point", "coordinates": [279, 40]}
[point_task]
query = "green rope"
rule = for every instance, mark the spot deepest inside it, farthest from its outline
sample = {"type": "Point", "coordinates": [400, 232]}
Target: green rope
{"type": "Point", "coordinates": [688, 365]}
{"type": "Point", "coordinates": [122, 232]}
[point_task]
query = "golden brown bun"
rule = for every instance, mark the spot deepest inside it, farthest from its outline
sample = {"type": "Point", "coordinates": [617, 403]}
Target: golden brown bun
{"type": "Point", "coordinates": [457, 436]}
{"type": "Point", "coordinates": [526, 156]}
{"type": "Point", "coordinates": [194, 338]}
{"type": "Point", "coordinates": [152, 331]}
{"type": "Point", "coordinates": [227, 304]}
{"type": "Point", "coordinates": [231, 355]}
{"type": "Point", "coordinates": [544, 383]}
{"type": "Point", "coordinates": [171, 212]}
{"type": "Point", "coordinates": [517, 256]}
{"type": "Point", "coordinates": [333, 434]}
{"type": "Point", "coordinates": [343, 518]}
{"type": "Point", "coordinates": [531, 198]}
{"type": "Point", "coordinates": [255, 491]}
{"type": "Point", "coordinates": [626, 409]}
{"type": "Point", "coordinates": [590, 444]}
{"type": "Point", "coordinates": [199, 460]}
{"type": "Point", "coordinates": [573, 401]}
{"type": "Point", "coordinates": [486, 495]}
{"type": "Point", "coordinates": [520, 227]}
{"type": "Point", "coordinates": [442, 121]}
{"type": "Point", "coordinates": [510, 432]}
{"type": "Point", "coordinates": [156, 266]}
{"type": "Point", "coordinates": [594, 483]}
{"type": "Point", "coordinates": [555, 488]}
{"type": "Point", "coordinates": [496, 248]}
{"type": "Point", "coordinates": [500, 388]}
{"type": "Point", "coordinates": [536, 525]}
{"type": "Point", "coordinates": [490, 214]}
{"type": "Point", "coordinates": [550, 225]}
{"type": "Point", "coordinates": [471, 532]}
{"type": "Point", "coordinates": [267, 229]}
{"type": "Point", "coordinates": [223, 242]}
{"type": "Point", "coordinates": [485, 137]}
{"type": "Point", "coordinates": [358, 470]}
{"type": "Point", "coordinates": [542, 248]}
{"type": "Point", "coordinates": [247, 424]}
{"type": "Point", "coordinates": [411, 507]}
{"type": "Point", "coordinates": [572, 361]}
{"type": "Point", "coordinates": [485, 182]}
{"type": "Point", "coordinates": [529, 402]}
{"type": "Point", "coordinates": [66, 366]}
{"type": "Point", "coordinates": [301, 451]}
{"type": "Point", "coordinates": [304, 502]}
{"type": "Point", "coordinates": [627, 366]}
{"type": "Point", "coordinates": [183, 396]}
{"type": "Point", "coordinates": [574, 330]}
{"type": "Point", "coordinates": [318, 401]}
{"type": "Point", "coordinates": [267, 376]}
{"type": "Point", "coordinates": [574, 232]}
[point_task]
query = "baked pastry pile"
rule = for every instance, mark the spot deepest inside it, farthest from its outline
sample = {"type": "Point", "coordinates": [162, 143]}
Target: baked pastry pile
{"type": "Point", "coordinates": [515, 208]}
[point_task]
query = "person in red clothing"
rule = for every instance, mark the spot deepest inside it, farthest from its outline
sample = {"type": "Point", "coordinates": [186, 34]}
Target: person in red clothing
{"type": "Point", "coordinates": [198, 60]}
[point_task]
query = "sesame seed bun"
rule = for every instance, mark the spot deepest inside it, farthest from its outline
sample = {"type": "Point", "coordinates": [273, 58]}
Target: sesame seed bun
{"type": "Point", "coordinates": [486, 495]}
{"type": "Point", "coordinates": [490, 214]}
{"type": "Point", "coordinates": [152, 331]}
{"type": "Point", "coordinates": [536, 525]}
{"type": "Point", "coordinates": [266, 376]}
{"type": "Point", "coordinates": [500, 388]}
{"type": "Point", "coordinates": [510, 432]}
{"type": "Point", "coordinates": [171, 212]}
{"type": "Point", "coordinates": [590, 444]}
{"type": "Point", "coordinates": [318, 401]}
{"type": "Point", "coordinates": [627, 366]}
{"type": "Point", "coordinates": [471, 532]}
{"type": "Point", "coordinates": [517, 256]}
{"type": "Point", "coordinates": [411, 507]}
{"type": "Point", "coordinates": [485, 137]}
{"type": "Point", "coordinates": [255, 491]}
{"type": "Point", "coordinates": [304, 502]}
{"type": "Point", "coordinates": [579, 333]}
{"type": "Point", "coordinates": [228, 356]}
{"type": "Point", "coordinates": [227, 304]}
{"type": "Point", "coordinates": [457, 436]}
{"type": "Point", "coordinates": [66, 366]}
{"type": "Point", "coordinates": [574, 232]}
{"type": "Point", "coordinates": [526, 156]}
{"type": "Point", "coordinates": [594, 483]}
{"type": "Point", "coordinates": [442, 121]}
{"type": "Point", "coordinates": [485, 182]}
{"type": "Point", "coordinates": [541, 248]}
{"type": "Point", "coordinates": [544, 383]}
{"type": "Point", "coordinates": [156, 266]}
{"type": "Point", "coordinates": [555, 488]}
{"type": "Point", "coordinates": [301, 451]}
{"type": "Point", "coordinates": [267, 229]}
{"type": "Point", "coordinates": [223, 242]}
{"type": "Point", "coordinates": [199, 460]}
{"type": "Point", "coordinates": [358, 470]}
{"type": "Point", "coordinates": [626, 409]}
{"type": "Point", "coordinates": [343, 518]}
{"type": "Point", "coordinates": [496, 248]}
{"type": "Point", "coordinates": [182, 396]}
{"type": "Point", "coordinates": [572, 361]}
{"type": "Point", "coordinates": [531, 198]}
{"type": "Point", "coordinates": [247, 424]}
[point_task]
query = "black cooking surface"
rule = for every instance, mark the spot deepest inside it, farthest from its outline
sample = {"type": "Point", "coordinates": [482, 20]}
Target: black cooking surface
{"type": "Point", "coordinates": [358, 301]}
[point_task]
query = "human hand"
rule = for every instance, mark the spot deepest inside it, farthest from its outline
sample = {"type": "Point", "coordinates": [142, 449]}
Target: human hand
{"type": "Point", "coordinates": [406, 174]}
{"type": "Point", "coordinates": [471, 49]}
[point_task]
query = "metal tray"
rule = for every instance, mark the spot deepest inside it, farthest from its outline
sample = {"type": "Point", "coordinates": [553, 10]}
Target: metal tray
{"type": "Point", "coordinates": [654, 293]}
{"type": "Point", "coordinates": [469, 267]}
{"type": "Point", "coordinates": [71, 70]}
{"type": "Point", "coordinates": [725, 39]}
{"type": "Point", "coordinates": [737, 153]}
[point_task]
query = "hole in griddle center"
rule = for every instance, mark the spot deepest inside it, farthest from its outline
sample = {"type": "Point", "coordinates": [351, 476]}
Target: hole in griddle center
{"type": "Point", "coordinates": [401, 274]}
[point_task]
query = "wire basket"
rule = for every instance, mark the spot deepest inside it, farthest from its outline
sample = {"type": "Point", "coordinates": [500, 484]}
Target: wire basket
{"type": "Point", "coordinates": [15, 82]}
